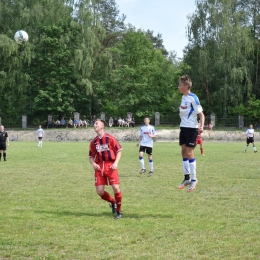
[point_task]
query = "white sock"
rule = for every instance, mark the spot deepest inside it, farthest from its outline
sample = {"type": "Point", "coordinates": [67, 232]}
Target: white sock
{"type": "Point", "coordinates": [254, 148]}
{"type": "Point", "coordinates": [151, 165]}
{"type": "Point", "coordinates": [192, 164]}
{"type": "Point", "coordinates": [186, 166]}
{"type": "Point", "coordinates": [246, 147]}
{"type": "Point", "coordinates": [141, 159]}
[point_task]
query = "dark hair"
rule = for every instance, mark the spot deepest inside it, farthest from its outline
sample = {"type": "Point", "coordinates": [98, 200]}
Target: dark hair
{"type": "Point", "coordinates": [185, 80]}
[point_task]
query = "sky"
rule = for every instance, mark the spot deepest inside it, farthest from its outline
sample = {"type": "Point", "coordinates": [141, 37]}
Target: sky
{"type": "Point", "coordinates": [167, 17]}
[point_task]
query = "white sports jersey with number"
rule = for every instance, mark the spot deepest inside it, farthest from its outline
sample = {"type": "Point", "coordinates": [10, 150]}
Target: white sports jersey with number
{"type": "Point", "coordinates": [189, 109]}
{"type": "Point", "coordinates": [250, 132]}
{"type": "Point", "coordinates": [146, 139]}
{"type": "Point", "coordinates": [40, 132]}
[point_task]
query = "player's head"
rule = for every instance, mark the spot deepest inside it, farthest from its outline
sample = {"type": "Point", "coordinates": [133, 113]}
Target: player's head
{"type": "Point", "coordinates": [250, 126]}
{"type": "Point", "coordinates": [40, 126]}
{"type": "Point", "coordinates": [184, 84]}
{"type": "Point", "coordinates": [146, 120]}
{"type": "Point", "coordinates": [1, 128]}
{"type": "Point", "coordinates": [99, 124]}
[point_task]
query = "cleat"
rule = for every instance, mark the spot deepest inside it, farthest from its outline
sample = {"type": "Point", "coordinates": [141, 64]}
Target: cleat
{"type": "Point", "coordinates": [245, 151]}
{"type": "Point", "coordinates": [150, 174]}
{"type": "Point", "coordinates": [255, 151]}
{"type": "Point", "coordinates": [118, 215]}
{"type": "Point", "coordinates": [184, 184]}
{"type": "Point", "coordinates": [142, 171]}
{"type": "Point", "coordinates": [113, 207]}
{"type": "Point", "coordinates": [193, 185]}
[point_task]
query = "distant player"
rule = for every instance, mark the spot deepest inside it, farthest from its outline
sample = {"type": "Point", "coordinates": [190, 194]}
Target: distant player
{"type": "Point", "coordinates": [199, 141]}
{"type": "Point", "coordinates": [189, 109]}
{"type": "Point", "coordinates": [40, 135]}
{"type": "Point", "coordinates": [104, 156]}
{"type": "Point", "coordinates": [250, 138]}
{"type": "Point", "coordinates": [147, 133]}
{"type": "Point", "coordinates": [3, 139]}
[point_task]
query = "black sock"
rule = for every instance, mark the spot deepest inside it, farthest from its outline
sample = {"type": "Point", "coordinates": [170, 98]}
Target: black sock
{"type": "Point", "coordinates": [4, 155]}
{"type": "Point", "coordinates": [187, 176]}
{"type": "Point", "coordinates": [0, 156]}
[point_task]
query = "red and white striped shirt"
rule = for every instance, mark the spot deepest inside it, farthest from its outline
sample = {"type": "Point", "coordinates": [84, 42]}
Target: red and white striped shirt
{"type": "Point", "coordinates": [104, 149]}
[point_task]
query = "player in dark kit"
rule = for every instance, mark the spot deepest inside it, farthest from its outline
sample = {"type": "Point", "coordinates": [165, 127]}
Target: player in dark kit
{"type": "Point", "coordinates": [104, 155]}
{"type": "Point", "coordinates": [3, 139]}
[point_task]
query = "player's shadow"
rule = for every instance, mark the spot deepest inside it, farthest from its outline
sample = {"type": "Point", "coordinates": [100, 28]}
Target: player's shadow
{"type": "Point", "coordinates": [102, 214]}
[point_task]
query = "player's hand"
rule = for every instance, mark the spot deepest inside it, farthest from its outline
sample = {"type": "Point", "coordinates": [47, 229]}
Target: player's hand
{"type": "Point", "coordinates": [113, 166]}
{"type": "Point", "coordinates": [200, 129]}
{"type": "Point", "coordinates": [96, 166]}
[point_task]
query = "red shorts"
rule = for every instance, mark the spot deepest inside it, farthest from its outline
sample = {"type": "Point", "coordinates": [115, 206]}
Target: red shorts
{"type": "Point", "coordinates": [105, 175]}
{"type": "Point", "coordinates": [199, 141]}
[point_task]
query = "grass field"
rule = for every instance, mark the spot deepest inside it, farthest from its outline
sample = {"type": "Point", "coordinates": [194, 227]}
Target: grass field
{"type": "Point", "coordinates": [49, 208]}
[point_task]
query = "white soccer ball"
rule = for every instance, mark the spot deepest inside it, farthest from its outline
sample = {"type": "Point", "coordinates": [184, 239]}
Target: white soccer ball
{"type": "Point", "coordinates": [21, 36]}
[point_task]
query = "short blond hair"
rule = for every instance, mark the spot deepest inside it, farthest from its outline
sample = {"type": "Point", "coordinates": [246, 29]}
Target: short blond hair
{"type": "Point", "coordinates": [185, 80]}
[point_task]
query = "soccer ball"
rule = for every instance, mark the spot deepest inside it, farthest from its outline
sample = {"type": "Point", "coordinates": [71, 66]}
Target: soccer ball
{"type": "Point", "coordinates": [21, 36]}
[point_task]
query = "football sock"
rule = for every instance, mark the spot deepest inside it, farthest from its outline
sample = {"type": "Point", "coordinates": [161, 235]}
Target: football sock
{"type": "Point", "coordinates": [246, 147]}
{"type": "Point", "coordinates": [4, 155]}
{"type": "Point", "coordinates": [107, 197]}
{"type": "Point", "coordinates": [118, 198]}
{"type": "Point", "coordinates": [0, 156]}
{"type": "Point", "coordinates": [141, 159]}
{"type": "Point", "coordinates": [186, 168]}
{"type": "Point", "coordinates": [254, 148]}
{"type": "Point", "coordinates": [151, 165]}
{"type": "Point", "coordinates": [192, 163]}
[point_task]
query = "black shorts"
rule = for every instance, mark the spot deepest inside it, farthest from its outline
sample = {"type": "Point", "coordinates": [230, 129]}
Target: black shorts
{"type": "Point", "coordinates": [188, 136]}
{"type": "Point", "coordinates": [149, 150]}
{"type": "Point", "coordinates": [40, 138]}
{"type": "Point", "coordinates": [250, 140]}
{"type": "Point", "coordinates": [2, 146]}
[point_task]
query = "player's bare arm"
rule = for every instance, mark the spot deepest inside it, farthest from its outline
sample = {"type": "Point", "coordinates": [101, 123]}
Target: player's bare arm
{"type": "Point", "coordinates": [115, 164]}
{"type": "Point", "coordinates": [140, 138]}
{"type": "Point", "coordinates": [202, 121]}
{"type": "Point", "coordinates": [95, 166]}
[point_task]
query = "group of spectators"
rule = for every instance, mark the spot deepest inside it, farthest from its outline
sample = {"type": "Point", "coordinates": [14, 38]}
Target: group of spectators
{"type": "Point", "coordinates": [62, 123]}
{"type": "Point", "coordinates": [121, 122]}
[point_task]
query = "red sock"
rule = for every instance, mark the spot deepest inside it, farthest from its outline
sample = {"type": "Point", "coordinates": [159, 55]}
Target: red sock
{"type": "Point", "coordinates": [118, 198]}
{"type": "Point", "coordinates": [107, 197]}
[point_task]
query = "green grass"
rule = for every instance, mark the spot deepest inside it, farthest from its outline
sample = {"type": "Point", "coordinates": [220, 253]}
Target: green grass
{"type": "Point", "coordinates": [49, 208]}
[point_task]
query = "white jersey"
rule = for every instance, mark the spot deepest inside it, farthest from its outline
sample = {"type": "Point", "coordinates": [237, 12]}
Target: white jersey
{"type": "Point", "coordinates": [146, 139]}
{"type": "Point", "coordinates": [189, 109]}
{"type": "Point", "coordinates": [250, 132]}
{"type": "Point", "coordinates": [40, 132]}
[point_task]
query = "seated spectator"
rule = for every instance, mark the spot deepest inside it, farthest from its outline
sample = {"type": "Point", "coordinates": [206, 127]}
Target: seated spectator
{"type": "Point", "coordinates": [50, 124]}
{"type": "Point", "coordinates": [120, 122]}
{"type": "Point", "coordinates": [127, 122]}
{"type": "Point", "coordinates": [132, 122]}
{"type": "Point", "coordinates": [84, 123]}
{"type": "Point", "coordinates": [70, 124]}
{"type": "Point", "coordinates": [110, 122]}
{"type": "Point", "coordinates": [80, 123]}
{"type": "Point", "coordinates": [76, 123]}
{"type": "Point", "coordinates": [210, 126]}
{"type": "Point", "coordinates": [63, 122]}
{"type": "Point", "coordinates": [115, 122]}
{"type": "Point", "coordinates": [57, 123]}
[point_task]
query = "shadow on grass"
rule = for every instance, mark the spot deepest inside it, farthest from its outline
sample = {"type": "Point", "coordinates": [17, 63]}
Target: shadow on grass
{"type": "Point", "coordinates": [138, 215]}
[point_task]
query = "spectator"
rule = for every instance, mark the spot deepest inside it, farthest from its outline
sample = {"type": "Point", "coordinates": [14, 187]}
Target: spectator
{"type": "Point", "coordinates": [110, 122]}
{"type": "Point", "coordinates": [57, 123]}
{"type": "Point", "coordinates": [70, 124]}
{"type": "Point", "coordinates": [50, 123]}
{"type": "Point", "coordinates": [127, 122]}
{"type": "Point", "coordinates": [84, 123]}
{"type": "Point", "coordinates": [76, 123]}
{"type": "Point", "coordinates": [115, 122]}
{"type": "Point", "coordinates": [63, 122]}
{"type": "Point", "coordinates": [120, 121]}
{"type": "Point", "coordinates": [133, 122]}
{"type": "Point", "coordinates": [80, 123]}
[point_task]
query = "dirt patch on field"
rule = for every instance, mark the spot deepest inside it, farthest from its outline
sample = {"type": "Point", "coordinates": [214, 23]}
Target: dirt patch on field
{"type": "Point", "coordinates": [130, 134]}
